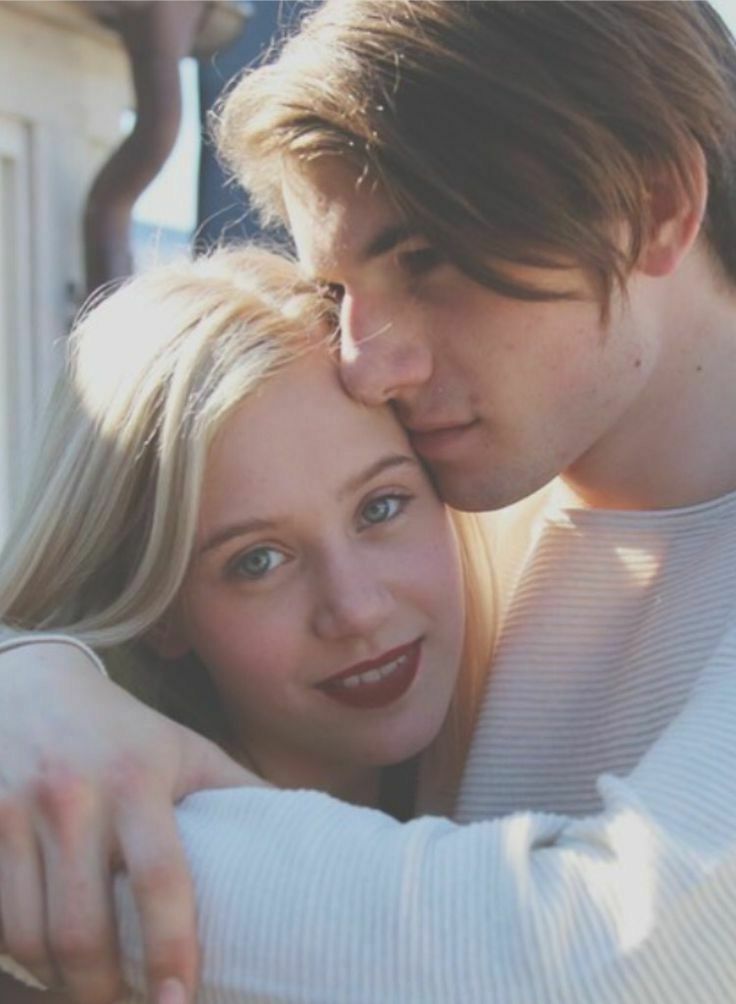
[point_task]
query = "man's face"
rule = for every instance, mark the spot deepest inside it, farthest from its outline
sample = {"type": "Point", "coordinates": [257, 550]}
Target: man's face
{"type": "Point", "coordinates": [498, 395]}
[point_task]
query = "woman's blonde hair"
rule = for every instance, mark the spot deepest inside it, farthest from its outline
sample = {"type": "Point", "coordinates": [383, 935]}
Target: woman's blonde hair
{"type": "Point", "coordinates": [108, 523]}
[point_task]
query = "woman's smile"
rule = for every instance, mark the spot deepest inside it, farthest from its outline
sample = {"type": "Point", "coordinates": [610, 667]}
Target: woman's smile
{"type": "Point", "coordinates": [325, 597]}
{"type": "Point", "coordinates": [378, 682]}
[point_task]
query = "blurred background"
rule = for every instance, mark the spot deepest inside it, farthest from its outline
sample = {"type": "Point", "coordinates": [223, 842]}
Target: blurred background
{"type": "Point", "coordinates": [105, 165]}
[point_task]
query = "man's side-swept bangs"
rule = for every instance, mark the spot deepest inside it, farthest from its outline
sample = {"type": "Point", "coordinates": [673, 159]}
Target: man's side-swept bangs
{"type": "Point", "coordinates": [509, 133]}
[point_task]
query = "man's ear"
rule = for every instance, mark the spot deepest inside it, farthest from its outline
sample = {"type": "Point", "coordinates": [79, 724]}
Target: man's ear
{"type": "Point", "coordinates": [166, 638]}
{"type": "Point", "coordinates": [676, 209]}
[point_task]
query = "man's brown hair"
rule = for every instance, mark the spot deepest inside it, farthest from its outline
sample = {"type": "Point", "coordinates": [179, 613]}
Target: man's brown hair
{"type": "Point", "coordinates": [507, 132]}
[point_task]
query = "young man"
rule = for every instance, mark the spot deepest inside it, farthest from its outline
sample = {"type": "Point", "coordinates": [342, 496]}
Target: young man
{"type": "Point", "coordinates": [527, 213]}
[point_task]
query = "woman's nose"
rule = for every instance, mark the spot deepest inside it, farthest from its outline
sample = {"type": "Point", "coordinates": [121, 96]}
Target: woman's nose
{"type": "Point", "coordinates": [351, 599]}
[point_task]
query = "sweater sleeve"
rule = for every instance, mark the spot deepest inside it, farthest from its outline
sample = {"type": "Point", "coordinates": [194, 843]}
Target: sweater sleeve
{"type": "Point", "coordinates": [10, 639]}
{"type": "Point", "coordinates": [304, 899]}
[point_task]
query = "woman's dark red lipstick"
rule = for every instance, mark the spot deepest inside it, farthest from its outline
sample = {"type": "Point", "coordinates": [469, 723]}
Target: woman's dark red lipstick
{"type": "Point", "coordinates": [376, 683]}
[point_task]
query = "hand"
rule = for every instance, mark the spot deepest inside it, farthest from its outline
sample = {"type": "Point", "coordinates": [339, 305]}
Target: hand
{"type": "Point", "coordinates": [88, 778]}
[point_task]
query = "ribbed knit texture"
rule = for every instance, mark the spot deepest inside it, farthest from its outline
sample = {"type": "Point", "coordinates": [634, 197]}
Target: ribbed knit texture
{"type": "Point", "coordinates": [597, 862]}
{"type": "Point", "coordinates": [594, 861]}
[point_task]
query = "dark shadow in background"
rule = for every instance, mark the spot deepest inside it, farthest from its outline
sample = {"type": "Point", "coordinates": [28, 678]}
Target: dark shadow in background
{"type": "Point", "coordinates": [224, 213]}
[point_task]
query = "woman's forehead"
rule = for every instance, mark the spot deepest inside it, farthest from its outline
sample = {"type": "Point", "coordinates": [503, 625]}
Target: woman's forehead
{"type": "Point", "coordinates": [301, 428]}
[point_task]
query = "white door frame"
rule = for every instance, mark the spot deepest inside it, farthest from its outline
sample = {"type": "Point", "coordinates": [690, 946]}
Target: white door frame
{"type": "Point", "coordinates": [17, 345]}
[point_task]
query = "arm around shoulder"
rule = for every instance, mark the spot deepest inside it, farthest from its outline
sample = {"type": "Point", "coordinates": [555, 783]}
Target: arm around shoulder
{"type": "Point", "coordinates": [92, 778]}
{"type": "Point", "coordinates": [307, 899]}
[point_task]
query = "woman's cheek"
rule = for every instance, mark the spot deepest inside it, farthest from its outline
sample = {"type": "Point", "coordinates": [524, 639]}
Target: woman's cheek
{"type": "Point", "coordinates": [437, 570]}
{"type": "Point", "coordinates": [249, 641]}
{"type": "Point", "coordinates": [435, 555]}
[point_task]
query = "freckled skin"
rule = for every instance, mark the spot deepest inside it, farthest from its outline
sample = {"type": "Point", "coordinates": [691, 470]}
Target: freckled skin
{"type": "Point", "coordinates": [339, 589]}
{"type": "Point", "coordinates": [529, 390]}
{"type": "Point", "coordinates": [543, 382]}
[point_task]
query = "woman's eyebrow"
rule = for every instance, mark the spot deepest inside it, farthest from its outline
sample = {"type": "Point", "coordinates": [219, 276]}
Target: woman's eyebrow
{"type": "Point", "coordinates": [221, 535]}
{"type": "Point", "coordinates": [373, 470]}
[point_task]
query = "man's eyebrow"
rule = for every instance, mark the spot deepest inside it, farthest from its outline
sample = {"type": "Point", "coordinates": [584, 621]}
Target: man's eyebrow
{"type": "Point", "coordinates": [388, 239]}
{"type": "Point", "coordinates": [373, 470]}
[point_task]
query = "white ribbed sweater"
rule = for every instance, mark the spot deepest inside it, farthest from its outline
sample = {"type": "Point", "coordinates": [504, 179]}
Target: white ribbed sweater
{"type": "Point", "coordinates": [598, 859]}
{"type": "Point", "coordinates": [594, 854]}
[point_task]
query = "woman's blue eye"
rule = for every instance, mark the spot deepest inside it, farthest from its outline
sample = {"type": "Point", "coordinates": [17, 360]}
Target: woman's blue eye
{"type": "Point", "coordinates": [383, 509]}
{"type": "Point", "coordinates": [257, 563]}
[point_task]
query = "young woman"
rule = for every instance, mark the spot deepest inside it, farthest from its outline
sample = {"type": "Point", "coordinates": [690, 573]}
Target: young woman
{"type": "Point", "coordinates": [248, 548]}
{"type": "Point", "coordinates": [251, 550]}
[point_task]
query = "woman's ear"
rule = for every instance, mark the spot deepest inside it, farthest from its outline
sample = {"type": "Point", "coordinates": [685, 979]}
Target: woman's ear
{"type": "Point", "coordinates": [166, 638]}
{"type": "Point", "coordinates": [676, 210]}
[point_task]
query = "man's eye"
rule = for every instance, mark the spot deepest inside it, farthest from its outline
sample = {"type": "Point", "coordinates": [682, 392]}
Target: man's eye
{"type": "Point", "coordinates": [419, 261]}
{"type": "Point", "coordinates": [256, 563]}
{"type": "Point", "coordinates": [332, 291]}
{"type": "Point", "coordinates": [383, 509]}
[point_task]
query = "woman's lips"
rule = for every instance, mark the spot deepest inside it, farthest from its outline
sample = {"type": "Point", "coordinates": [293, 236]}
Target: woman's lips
{"type": "Point", "coordinates": [377, 683]}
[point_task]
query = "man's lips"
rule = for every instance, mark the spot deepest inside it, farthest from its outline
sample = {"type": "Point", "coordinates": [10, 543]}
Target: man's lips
{"type": "Point", "coordinates": [434, 441]}
{"type": "Point", "coordinates": [376, 682]}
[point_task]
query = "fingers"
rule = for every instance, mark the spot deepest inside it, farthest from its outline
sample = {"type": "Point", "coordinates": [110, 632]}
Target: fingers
{"type": "Point", "coordinates": [83, 805]}
{"type": "Point", "coordinates": [72, 862]}
{"type": "Point", "coordinates": [22, 902]}
{"type": "Point", "coordinates": [164, 897]}
{"type": "Point", "coordinates": [79, 911]}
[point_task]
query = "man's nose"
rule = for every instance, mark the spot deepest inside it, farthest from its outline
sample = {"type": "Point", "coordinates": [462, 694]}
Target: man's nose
{"type": "Point", "coordinates": [351, 600]}
{"type": "Point", "coordinates": [383, 354]}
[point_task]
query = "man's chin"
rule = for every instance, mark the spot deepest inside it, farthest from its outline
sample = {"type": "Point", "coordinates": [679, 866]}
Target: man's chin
{"type": "Point", "coordinates": [470, 491]}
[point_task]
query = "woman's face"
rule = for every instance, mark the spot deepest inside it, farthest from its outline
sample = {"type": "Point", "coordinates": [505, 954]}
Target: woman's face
{"type": "Point", "coordinates": [325, 592]}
